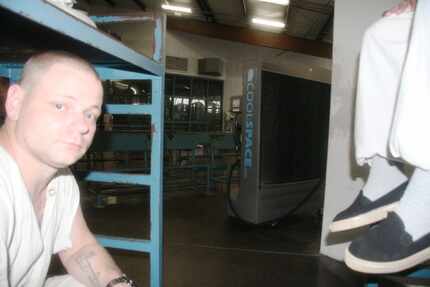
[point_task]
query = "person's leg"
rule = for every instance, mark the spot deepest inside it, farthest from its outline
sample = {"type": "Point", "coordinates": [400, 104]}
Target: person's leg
{"type": "Point", "coordinates": [413, 208]}
{"type": "Point", "coordinates": [62, 281]}
{"type": "Point", "coordinates": [384, 176]}
{"type": "Point", "coordinates": [400, 242]}
{"type": "Point", "coordinates": [381, 193]}
{"type": "Point", "coordinates": [382, 58]}
{"type": "Point", "coordinates": [381, 61]}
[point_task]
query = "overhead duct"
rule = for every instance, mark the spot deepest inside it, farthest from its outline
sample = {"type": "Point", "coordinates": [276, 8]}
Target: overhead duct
{"type": "Point", "coordinates": [176, 63]}
{"type": "Point", "coordinates": [211, 66]}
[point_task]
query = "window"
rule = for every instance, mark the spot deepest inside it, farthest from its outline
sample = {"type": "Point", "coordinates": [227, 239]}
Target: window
{"type": "Point", "coordinates": [193, 104]}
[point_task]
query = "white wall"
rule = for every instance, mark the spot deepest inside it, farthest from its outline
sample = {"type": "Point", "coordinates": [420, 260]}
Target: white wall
{"type": "Point", "coordinates": [344, 179]}
{"type": "Point", "coordinates": [235, 55]}
{"type": "Point", "coordinates": [137, 35]}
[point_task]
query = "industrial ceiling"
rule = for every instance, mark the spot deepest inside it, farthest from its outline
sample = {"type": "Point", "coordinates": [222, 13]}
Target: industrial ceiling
{"type": "Point", "coordinates": [308, 22]}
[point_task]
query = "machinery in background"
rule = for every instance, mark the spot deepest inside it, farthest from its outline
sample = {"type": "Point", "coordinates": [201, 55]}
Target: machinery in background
{"type": "Point", "coordinates": [283, 145]}
{"type": "Point", "coordinates": [194, 162]}
{"type": "Point", "coordinates": [197, 153]}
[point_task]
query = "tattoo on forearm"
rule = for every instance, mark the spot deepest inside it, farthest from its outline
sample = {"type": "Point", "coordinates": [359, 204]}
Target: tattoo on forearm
{"type": "Point", "coordinates": [84, 264]}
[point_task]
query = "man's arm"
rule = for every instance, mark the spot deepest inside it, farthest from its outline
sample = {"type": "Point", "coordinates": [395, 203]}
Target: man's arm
{"type": "Point", "coordinates": [87, 261]}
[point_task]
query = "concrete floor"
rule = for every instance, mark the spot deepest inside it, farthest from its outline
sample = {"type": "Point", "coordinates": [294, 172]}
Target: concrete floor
{"type": "Point", "coordinates": [203, 247]}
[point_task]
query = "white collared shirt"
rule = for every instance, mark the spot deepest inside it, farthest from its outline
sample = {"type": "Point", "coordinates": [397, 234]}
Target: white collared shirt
{"type": "Point", "coordinates": [25, 247]}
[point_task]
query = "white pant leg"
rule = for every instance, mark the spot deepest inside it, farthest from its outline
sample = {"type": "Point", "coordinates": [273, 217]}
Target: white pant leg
{"type": "Point", "coordinates": [62, 281]}
{"type": "Point", "coordinates": [381, 62]}
{"type": "Point", "coordinates": [410, 138]}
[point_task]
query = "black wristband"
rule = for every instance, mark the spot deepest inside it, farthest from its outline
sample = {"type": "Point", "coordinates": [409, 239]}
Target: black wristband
{"type": "Point", "coordinates": [122, 279]}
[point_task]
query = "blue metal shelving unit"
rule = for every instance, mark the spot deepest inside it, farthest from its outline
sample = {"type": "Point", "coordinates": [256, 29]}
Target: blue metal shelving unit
{"type": "Point", "coordinates": [41, 26]}
{"type": "Point", "coordinates": [154, 180]}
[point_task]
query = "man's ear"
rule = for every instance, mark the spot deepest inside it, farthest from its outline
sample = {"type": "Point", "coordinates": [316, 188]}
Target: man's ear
{"type": "Point", "coordinates": [14, 100]}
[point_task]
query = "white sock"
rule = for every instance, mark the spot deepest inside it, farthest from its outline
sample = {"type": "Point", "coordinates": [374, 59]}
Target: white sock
{"type": "Point", "coordinates": [413, 208]}
{"type": "Point", "coordinates": [383, 177]}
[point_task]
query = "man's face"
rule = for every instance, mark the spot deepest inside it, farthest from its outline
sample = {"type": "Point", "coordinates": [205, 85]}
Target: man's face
{"type": "Point", "coordinates": [57, 120]}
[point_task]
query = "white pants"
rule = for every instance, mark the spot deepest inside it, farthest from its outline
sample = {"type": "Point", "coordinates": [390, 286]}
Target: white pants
{"type": "Point", "coordinates": [410, 134]}
{"type": "Point", "coordinates": [62, 281]}
{"type": "Point", "coordinates": [393, 92]}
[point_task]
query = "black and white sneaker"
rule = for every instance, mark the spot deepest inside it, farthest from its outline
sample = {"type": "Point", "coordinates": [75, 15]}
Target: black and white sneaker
{"type": "Point", "coordinates": [363, 211]}
{"type": "Point", "coordinates": [387, 248]}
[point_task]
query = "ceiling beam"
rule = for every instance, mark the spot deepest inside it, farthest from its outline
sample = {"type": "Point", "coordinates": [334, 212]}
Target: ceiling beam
{"type": "Point", "coordinates": [206, 10]}
{"type": "Point", "coordinates": [252, 37]}
{"type": "Point", "coordinates": [140, 4]}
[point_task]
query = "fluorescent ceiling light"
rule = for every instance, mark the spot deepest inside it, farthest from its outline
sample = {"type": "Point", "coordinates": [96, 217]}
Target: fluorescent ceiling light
{"type": "Point", "coordinates": [280, 2]}
{"type": "Point", "coordinates": [270, 23]}
{"type": "Point", "coordinates": [176, 8]}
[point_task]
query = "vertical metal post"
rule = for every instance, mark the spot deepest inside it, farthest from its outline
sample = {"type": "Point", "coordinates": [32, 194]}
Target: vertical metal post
{"type": "Point", "coordinates": [157, 159]}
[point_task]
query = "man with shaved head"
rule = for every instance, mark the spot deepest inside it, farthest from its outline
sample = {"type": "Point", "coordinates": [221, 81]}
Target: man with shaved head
{"type": "Point", "coordinates": [50, 122]}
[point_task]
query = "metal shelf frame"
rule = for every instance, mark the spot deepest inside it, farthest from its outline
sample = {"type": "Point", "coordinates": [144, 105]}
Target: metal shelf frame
{"type": "Point", "coordinates": [113, 61]}
{"type": "Point", "coordinates": [41, 16]}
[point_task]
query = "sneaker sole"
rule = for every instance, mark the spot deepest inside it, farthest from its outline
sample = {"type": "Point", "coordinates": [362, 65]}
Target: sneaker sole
{"type": "Point", "coordinates": [371, 267]}
{"type": "Point", "coordinates": [363, 219]}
